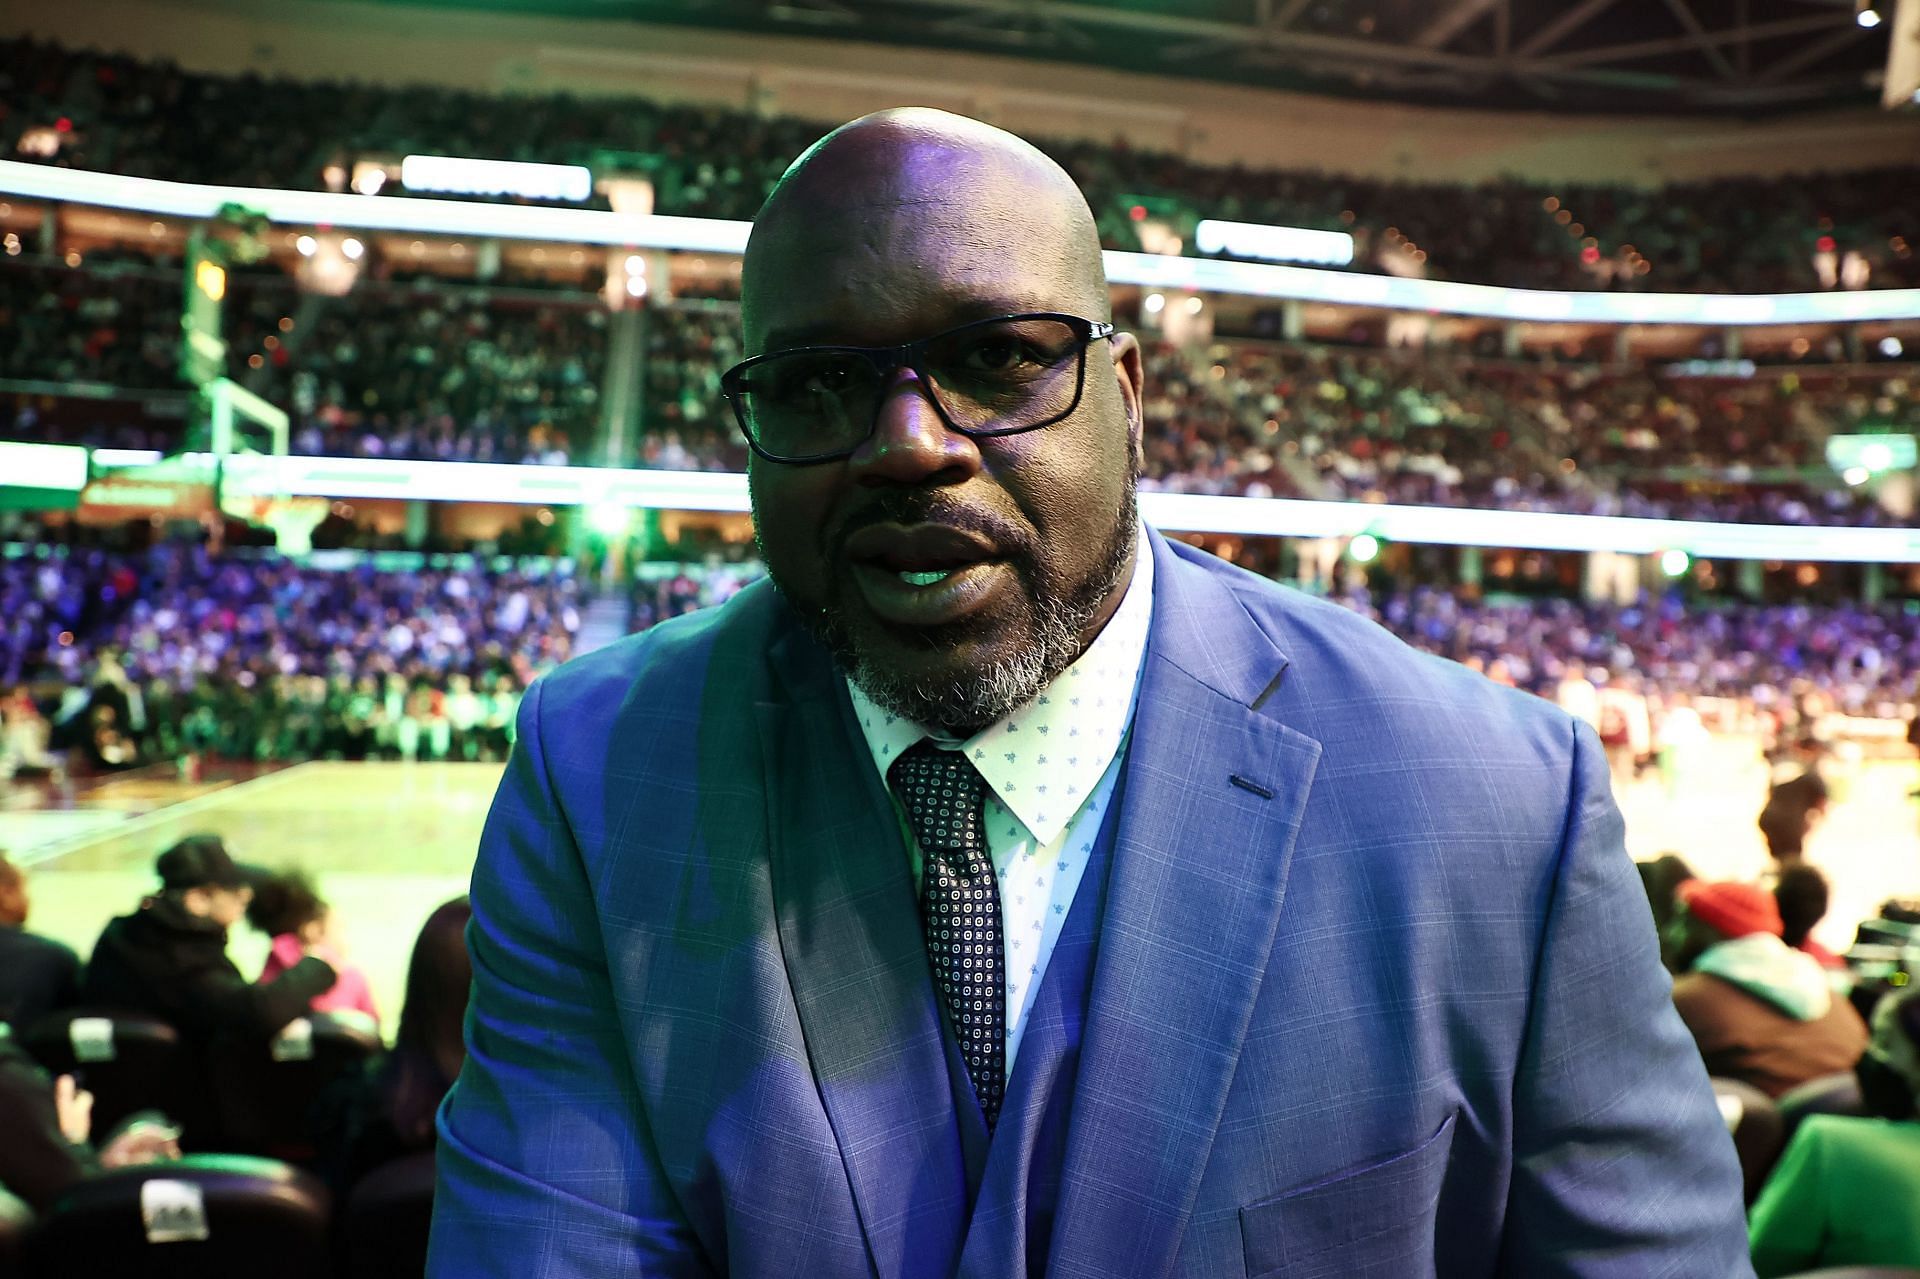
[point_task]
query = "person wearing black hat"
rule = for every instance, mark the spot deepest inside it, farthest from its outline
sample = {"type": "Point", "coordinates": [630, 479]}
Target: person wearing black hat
{"type": "Point", "coordinates": [169, 958]}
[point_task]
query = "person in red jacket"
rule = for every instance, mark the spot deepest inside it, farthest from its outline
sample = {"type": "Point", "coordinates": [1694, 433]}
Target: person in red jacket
{"type": "Point", "coordinates": [1760, 1011]}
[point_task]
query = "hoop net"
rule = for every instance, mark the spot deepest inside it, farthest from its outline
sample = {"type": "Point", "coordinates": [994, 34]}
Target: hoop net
{"type": "Point", "coordinates": [292, 519]}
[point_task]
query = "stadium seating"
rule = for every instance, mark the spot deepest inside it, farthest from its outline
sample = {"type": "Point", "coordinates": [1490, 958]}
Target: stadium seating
{"type": "Point", "coordinates": [129, 1063]}
{"type": "Point", "coordinates": [203, 1217]}
{"type": "Point", "coordinates": [1758, 1134]}
{"type": "Point", "coordinates": [1736, 234]}
{"type": "Point", "coordinates": [1831, 1095]}
{"type": "Point", "coordinates": [439, 369]}
{"type": "Point", "coordinates": [388, 1216]}
{"type": "Point", "coordinates": [264, 1090]}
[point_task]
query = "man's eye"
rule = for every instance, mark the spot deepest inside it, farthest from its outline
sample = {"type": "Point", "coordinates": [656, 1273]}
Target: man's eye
{"type": "Point", "coordinates": [813, 381]}
{"type": "Point", "coordinates": [827, 381]}
{"type": "Point", "coordinates": [997, 355]}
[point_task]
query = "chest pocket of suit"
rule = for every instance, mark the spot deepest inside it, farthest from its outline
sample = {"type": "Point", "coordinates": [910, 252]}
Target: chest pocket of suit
{"type": "Point", "coordinates": [1374, 1221]}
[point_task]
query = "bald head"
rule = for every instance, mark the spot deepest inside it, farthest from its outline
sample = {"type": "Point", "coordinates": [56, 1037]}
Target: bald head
{"type": "Point", "coordinates": [908, 191]}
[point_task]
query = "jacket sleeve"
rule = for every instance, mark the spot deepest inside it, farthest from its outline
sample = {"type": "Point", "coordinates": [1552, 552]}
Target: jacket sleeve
{"type": "Point", "coordinates": [221, 999]}
{"type": "Point", "coordinates": [546, 1167]}
{"type": "Point", "coordinates": [1622, 1165]}
{"type": "Point", "coordinates": [1790, 1220]}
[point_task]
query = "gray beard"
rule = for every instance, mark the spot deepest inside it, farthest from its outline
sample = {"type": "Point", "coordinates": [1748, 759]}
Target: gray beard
{"type": "Point", "coordinates": [968, 701]}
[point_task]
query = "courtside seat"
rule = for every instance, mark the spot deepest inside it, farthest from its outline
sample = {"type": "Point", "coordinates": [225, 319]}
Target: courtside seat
{"type": "Point", "coordinates": [388, 1215]}
{"type": "Point", "coordinates": [264, 1089]}
{"type": "Point", "coordinates": [203, 1217]}
{"type": "Point", "coordinates": [1758, 1134]}
{"type": "Point", "coordinates": [1836, 1094]}
{"type": "Point", "coordinates": [129, 1062]}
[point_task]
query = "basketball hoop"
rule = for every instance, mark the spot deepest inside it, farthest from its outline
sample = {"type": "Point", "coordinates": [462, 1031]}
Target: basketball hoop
{"type": "Point", "coordinates": [291, 519]}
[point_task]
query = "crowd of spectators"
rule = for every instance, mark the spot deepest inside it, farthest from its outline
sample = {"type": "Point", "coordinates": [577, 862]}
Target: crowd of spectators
{"type": "Point", "coordinates": [1442, 428]}
{"type": "Point", "coordinates": [128, 658]}
{"type": "Point", "coordinates": [363, 1106]}
{"type": "Point", "coordinates": [113, 324]}
{"type": "Point", "coordinates": [443, 374]}
{"type": "Point", "coordinates": [1426, 428]}
{"type": "Point", "coordinates": [686, 425]}
{"type": "Point", "coordinates": [427, 368]}
{"type": "Point", "coordinates": [152, 119]}
{"type": "Point", "coordinates": [690, 587]}
{"type": "Point", "coordinates": [435, 370]}
{"type": "Point", "coordinates": [1773, 658]}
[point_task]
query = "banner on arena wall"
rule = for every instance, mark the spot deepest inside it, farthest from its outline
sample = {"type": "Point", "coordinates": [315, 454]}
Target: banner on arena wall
{"type": "Point", "coordinates": [115, 498]}
{"type": "Point", "coordinates": [176, 488]}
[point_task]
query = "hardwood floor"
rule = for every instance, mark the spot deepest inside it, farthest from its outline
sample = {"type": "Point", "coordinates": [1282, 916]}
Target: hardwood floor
{"type": "Point", "coordinates": [388, 842]}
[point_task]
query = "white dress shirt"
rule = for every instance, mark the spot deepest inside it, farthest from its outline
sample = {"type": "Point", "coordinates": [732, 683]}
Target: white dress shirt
{"type": "Point", "coordinates": [1050, 769]}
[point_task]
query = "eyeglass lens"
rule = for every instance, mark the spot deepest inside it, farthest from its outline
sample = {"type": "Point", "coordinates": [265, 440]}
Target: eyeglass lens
{"type": "Point", "coordinates": [998, 378]}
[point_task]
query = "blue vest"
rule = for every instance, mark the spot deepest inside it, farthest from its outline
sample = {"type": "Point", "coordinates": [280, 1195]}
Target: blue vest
{"type": "Point", "coordinates": [1013, 1180]}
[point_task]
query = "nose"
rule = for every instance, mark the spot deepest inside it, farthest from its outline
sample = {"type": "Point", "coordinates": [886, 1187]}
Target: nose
{"type": "Point", "coordinates": [911, 444]}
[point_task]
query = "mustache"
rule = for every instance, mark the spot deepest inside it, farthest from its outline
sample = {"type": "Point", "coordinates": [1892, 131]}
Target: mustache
{"type": "Point", "coordinates": [918, 506]}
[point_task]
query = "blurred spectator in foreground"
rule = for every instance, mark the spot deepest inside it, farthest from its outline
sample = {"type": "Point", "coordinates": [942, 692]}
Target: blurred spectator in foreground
{"type": "Point", "coordinates": [388, 1112]}
{"type": "Point", "coordinates": [1795, 804]}
{"type": "Point", "coordinates": [1844, 1192]}
{"type": "Point", "coordinates": [37, 974]}
{"type": "Point", "coordinates": [24, 736]}
{"type": "Point", "coordinates": [1760, 1011]}
{"type": "Point", "coordinates": [287, 908]}
{"type": "Point", "coordinates": [1662, 878]}
{"type": "Point", "coordinates": [169, 958]}
{"type": "Point", "coordinates": [47, 1123]}
{"type": "Point", "coordinates": [1802, 894]}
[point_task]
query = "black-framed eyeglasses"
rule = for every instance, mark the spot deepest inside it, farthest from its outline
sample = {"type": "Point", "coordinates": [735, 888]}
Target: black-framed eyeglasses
{"type": "Point", "coordinates": [1001, 376]}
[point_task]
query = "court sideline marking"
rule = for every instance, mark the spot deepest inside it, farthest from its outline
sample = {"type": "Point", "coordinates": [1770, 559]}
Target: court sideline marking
{"type": "Point", "coordinates": [166, 812]}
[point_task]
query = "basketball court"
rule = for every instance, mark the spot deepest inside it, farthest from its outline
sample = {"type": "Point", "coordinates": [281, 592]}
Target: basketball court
{"type": "Point", "coordinates": [387, 843]}
{"type": "Point", "coordinates": [390, 841]}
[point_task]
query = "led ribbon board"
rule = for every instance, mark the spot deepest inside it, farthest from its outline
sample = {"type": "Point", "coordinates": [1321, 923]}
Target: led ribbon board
{"type": "Point", "coordinates": [1273, 243]}
{"type": "Point", "coordinates": [40, 477]}
{"type": "Point", "coordinates": [1207, 275]}
{"type": "Point", "coordinates": [496, 177]}
{"type": "Point", "coordinates": [602, 488]}
{"type": "Point", "coordinates": [1874, 454]}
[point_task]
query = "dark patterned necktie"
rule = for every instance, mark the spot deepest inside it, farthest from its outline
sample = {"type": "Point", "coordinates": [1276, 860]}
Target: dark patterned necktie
{"type": "Point", "coordinates": [960, 902]}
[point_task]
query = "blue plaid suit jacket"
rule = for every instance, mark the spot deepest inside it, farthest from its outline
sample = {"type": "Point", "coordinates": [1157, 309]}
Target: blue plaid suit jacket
{"type": "Point", "coordinates": [1376, 991]}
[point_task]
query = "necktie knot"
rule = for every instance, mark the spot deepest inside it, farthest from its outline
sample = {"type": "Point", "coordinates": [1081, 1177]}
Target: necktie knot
{"type": "Point", "coordinates": [941, 792]}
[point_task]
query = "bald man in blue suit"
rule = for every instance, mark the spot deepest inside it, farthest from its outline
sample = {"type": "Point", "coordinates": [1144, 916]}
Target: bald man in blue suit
{"type": "Point", "coordinates": [1304, 954]}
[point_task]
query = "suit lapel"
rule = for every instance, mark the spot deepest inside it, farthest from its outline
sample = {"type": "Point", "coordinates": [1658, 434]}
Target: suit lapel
{"type": "Point", "coordinates": [1215, 792]}
{"type": "Point", "coordinates": [851, 937]}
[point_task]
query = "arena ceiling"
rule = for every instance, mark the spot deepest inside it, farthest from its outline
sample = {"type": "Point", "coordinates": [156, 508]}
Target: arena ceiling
{"type": "Point", "coordinates": [1728, 56]}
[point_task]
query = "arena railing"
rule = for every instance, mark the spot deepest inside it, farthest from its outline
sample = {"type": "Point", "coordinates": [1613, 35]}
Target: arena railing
{"type": "Point", "coordinates": [1206, 275]}
{"type": "Point", "coordinates": [611, 487]}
